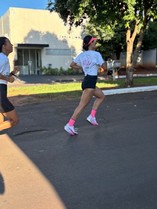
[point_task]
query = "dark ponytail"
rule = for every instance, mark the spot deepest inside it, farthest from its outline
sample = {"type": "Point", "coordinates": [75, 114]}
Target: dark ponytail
{"type": "Point", "coordinates": [2, 42]}
{"type": "Point", "coordinates": [86, 41]}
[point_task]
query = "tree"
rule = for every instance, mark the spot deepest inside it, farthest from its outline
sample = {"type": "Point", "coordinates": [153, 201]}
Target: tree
{"type": "Point", "coordinates": [150, 36]}
{"type": "Point", "coordinates": [107, 15]}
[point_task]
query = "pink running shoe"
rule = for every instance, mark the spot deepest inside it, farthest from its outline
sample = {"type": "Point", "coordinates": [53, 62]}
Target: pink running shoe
{"type": "Point", "coordinates": [92, 120]}
{"type": "Point", "coordinates": [70, 129]}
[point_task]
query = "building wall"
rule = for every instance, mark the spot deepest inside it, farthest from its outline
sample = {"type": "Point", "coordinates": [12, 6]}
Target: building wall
{"type": "Point", "coordinates": [42, 27]}
{"type": "Point", "coordinates": [5, 25]}
{"type": "Point", "coordinates": [5, 30]}
{"type": "Point", "coordinates": [145, 58]}
{"type": "Point", "coordinates": [149, 57]}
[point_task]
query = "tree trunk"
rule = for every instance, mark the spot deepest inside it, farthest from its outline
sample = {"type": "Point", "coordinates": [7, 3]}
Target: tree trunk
{"type": "Point", "coordinates": [129, 68]}
{"type": "Point", "coordinates": [138, 48]}
{"type": "Point", "coordinates": [140, 40]}
{"type": "Point", "coordinates": [129, 71]}
{"type": "Point", "coordinates": [129, 64]}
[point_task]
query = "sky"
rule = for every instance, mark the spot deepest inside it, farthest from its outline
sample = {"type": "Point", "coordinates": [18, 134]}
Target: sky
{"type": "Point", "coordinates": [33, 4]}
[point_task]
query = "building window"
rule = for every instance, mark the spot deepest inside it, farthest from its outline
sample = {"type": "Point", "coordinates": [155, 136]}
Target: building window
{"type": "Point", "coordinates": [65, 52]}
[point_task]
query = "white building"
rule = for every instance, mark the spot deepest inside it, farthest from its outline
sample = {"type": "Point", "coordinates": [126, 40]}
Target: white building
{"type": "Point", "coordinates": [145, 58]}
{"type": "Point", "coordinates": [40, 39]}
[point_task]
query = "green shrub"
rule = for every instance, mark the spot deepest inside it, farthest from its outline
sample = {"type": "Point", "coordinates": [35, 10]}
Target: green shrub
{"type": "Point", "coordinates": [60, 71]}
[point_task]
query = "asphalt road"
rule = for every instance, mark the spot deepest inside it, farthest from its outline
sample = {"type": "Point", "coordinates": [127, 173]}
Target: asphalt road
{"type": "Point", "coordinates": [113, 166]}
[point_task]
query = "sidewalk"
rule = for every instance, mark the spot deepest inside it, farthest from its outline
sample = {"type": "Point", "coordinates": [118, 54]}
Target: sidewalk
{"type": "Point", "coordinates": [130, 90]}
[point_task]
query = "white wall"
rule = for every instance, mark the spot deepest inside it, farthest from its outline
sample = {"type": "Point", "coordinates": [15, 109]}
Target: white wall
{"type": "Point", "coordinates": [149, 57]}
{"type": "Point", "coordinates": [42, 27]}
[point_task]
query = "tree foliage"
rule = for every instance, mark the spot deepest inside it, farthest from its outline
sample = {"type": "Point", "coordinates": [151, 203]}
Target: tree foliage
{"type": "Point", "coordinates": [104, 18]}
{"type": "Point", "coordinates": [150, 36]}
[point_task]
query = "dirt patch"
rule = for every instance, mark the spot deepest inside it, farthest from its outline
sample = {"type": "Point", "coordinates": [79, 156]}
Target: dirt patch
{"type": "Point", "coordinates": [23, 100]}
{"type": "Point", "coordinates": [36, 99]}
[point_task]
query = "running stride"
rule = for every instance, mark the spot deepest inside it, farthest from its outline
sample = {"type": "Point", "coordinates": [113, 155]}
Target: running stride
{"type": "Point", "coordinates": [90, 61]}
{"type": "Point", "coordinates": [8, 115]}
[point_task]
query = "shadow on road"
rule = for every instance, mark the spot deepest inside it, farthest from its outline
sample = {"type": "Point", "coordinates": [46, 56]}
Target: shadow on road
{"type": "Point", "coordinates": [2, 187]}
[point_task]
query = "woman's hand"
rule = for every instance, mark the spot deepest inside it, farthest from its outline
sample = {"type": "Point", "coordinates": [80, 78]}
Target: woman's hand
{"type": "Point", "coordinates": [11, 79]}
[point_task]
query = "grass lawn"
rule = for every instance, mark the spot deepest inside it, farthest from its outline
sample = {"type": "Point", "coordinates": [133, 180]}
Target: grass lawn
{"type": "Point", "coordinates": [73, 88]}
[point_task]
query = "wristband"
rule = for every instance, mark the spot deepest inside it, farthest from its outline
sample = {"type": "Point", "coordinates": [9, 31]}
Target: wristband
{"type": "Point", "coordinates": [13, 74]}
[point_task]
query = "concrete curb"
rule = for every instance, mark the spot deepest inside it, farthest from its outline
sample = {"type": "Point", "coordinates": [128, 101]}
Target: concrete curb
{"type": "Point", "coordinates": [129, 90]}
{"type": "Point", "coordinates": [140, 75]}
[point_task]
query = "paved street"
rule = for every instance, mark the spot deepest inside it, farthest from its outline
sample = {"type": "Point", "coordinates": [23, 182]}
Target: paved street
{"type": "Point", "coordinates": [113, 166]}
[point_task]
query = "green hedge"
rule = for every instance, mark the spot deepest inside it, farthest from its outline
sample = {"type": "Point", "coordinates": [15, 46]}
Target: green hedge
{"type": "Point", "coordinates": [60, 71]}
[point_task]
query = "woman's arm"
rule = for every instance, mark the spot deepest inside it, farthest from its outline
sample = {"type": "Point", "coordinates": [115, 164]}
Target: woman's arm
{"type": "Point", "coordinates": [102, 68]}
{"type": "Point", "coordinates": [9, 78]}
{"type": "Point", "coordinates": [74, 65]}
{"type": "Point", "coordinates": [15, 71]}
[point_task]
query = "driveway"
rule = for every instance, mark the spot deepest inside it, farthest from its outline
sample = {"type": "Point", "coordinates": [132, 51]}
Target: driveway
{"type": "Point", "coordinates": [112, 166]}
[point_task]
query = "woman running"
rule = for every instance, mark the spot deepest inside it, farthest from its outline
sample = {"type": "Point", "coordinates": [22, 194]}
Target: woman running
{"type": "Point", "coordinates": [90, 61]}
{"type": "Point", "coordinates": [8, 115]}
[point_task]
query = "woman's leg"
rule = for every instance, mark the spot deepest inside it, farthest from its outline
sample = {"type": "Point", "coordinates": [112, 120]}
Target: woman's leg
{"type": "Point", "coordinates": [85, 99]}
{"type": "Point", "coordinates": [13, 119]}
{"type": "Point", "coordinates": [100, 97]}
{"type": "Point", "coordinates": [1, 118]}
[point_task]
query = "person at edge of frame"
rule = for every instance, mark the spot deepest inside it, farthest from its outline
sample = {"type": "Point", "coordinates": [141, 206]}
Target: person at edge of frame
{"type": "Point", "coordinates": [8, 114]}
{"type": "Point", "coordinates": [90, 61]}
